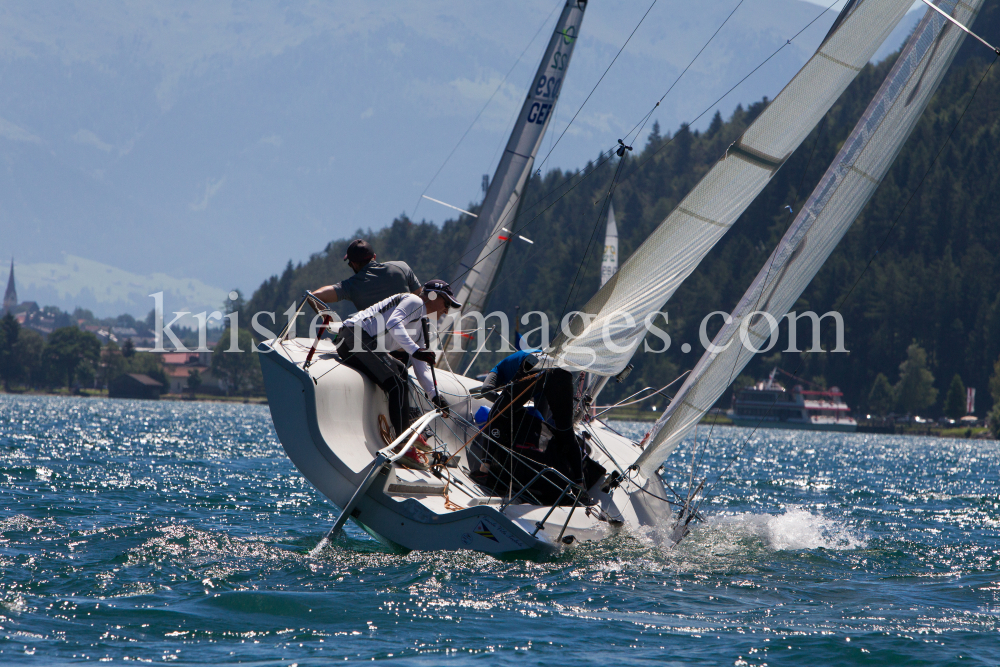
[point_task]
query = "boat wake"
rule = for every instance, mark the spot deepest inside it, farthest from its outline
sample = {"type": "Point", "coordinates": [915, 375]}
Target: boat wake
{"type": "Point", "coordinates": [796, 529]}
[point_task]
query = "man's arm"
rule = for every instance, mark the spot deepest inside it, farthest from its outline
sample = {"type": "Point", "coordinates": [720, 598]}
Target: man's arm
{"type": "Point", "coordinates": [412, 283]}
{"type": "Point", "coordinates": [406, 312]}
{"type": "Point", "coordinates": [423, 372]}
{"type": "Point", "coordinates": [328, 293]}
{"type": "Point", "coordinates": [489, 388]}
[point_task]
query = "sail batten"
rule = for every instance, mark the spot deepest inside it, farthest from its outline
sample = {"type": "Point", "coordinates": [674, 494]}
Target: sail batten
{"type": "Point", "coordinates": [616, 315]}
{"type": "Point", "coordinates": [828, 213]}
{"type": "Point", "coordinates": [487, 242]}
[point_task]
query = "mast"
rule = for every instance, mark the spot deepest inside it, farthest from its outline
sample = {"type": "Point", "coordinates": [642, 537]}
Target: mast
{"type": "Point", "coordinates": [609, 265]}
{"type": "Point", "coordinates": [488, 241]}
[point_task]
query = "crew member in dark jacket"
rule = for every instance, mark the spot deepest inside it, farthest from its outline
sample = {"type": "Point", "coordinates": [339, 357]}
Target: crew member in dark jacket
{"type": "Point", "coordinates": [515, 427]}
{"type": "Point", "coordinates": [372, 281]}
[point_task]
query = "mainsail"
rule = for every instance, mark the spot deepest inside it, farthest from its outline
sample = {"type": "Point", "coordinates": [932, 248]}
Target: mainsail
{"type": "Point", "coordinates": [611, 325]}
{"type": "Point", "coordinates": [495, 224]}
{"type": "Point", "coordinates": [609, 264]}
{"type": "Point", "coordinates": [831, 209]}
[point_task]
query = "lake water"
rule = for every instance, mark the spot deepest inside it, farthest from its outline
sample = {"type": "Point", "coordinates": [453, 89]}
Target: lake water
{"type": "Point", "coordinates": [152, 532]}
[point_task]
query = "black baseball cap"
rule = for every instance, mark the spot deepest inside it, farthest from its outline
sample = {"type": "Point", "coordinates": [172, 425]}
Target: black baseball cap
{"type": "Point", "coordinates": [359, 251]}
{"type": "Point", "coordinates": [443, 289]}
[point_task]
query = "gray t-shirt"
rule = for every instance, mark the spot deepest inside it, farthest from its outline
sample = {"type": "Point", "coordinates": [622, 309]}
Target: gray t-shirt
{"type": "Point", "coordinates": [375, 282]}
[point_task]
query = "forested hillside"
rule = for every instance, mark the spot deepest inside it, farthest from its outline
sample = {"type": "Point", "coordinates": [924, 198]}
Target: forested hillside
{"type": "Point", "coordinates": [936, 279]}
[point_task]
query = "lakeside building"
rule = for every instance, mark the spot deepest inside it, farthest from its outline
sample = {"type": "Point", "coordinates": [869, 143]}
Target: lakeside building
{"type": "Point", "coordinates": [178, 366]}
{"type": "Point", "coordinates": [134, 385]}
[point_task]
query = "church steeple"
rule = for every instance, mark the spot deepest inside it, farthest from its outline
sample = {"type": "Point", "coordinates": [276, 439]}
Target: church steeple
{"type": "Point", "coordinates": [10, 296]}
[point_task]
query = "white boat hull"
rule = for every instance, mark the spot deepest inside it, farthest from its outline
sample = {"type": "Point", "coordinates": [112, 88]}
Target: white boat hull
{"type": "Point", "coordinates": [326, 418]}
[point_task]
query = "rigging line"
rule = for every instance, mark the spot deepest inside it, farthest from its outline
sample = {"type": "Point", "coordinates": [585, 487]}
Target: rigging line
{"type": "Point", "coordinates": [593, 235]}
{"type": "Point", "coordinates": [476, 119]}
{"type": "Point", "coordinates": [917, 188]}
{"type": "Point", "coordinates": [944, 145]}
{"type": "Point", "coordinates": [537, 248]}
{"type": "Point", "coordinates": [541, 199]}
{"type": "Point", "coordinates": [520, 229]}
{"type": "Point", "coordinates": [668, 142]}
{"type": "Point", "coordinates": [770, 265]}
{"type": "Point", "coordinates": [710, 107]}
{"type": "Point", "coordinates": [662, 146]}
{"type": "Point", "coordinates": [569, 179]}
{"type": "Point", "coordinates": [627, 400]}
{"type": "Point", "coordinates": [600, 445]}
{"type": "Point", "coordinates": [796, 377]}
{"type": "Point", "coordinates": [563, 133]}
{"type": "Point", "coordinates": [734, 87]}
{"type": "Point", "coordinates": [962, 27]}
{"type": "Point", "coordinates": [501, 142]}
{"type": "Point", "coordinates": [679, 76]}
{"type": "Point", "coordinates": [649, 493]}
{"type": "Point", "coordinates": [650, 157]}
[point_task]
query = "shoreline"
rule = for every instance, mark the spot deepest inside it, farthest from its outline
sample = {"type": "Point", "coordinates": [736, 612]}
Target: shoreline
{"type": "Point", "coordinates": [954, 432]}
{"type": "Point", "coordinates": [183, 398]}
{"type": "Point", "coordinates": [977, 433]}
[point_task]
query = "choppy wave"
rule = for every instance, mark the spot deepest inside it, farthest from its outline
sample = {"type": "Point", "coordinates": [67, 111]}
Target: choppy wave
{"type": "Point", "coordinates": [180, 532]}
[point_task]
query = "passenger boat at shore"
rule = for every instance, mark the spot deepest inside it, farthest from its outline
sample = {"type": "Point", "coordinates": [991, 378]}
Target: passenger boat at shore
{"type": "Point", "coordinates": [768, 404]}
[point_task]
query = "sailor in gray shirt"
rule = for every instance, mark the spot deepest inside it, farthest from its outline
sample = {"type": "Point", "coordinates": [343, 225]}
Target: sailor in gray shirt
{"type": "Point", "coordinates": [372, 281]}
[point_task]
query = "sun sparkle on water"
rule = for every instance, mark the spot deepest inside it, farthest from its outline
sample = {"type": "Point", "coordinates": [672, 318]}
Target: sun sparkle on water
{"type": "Point", "coordinates": [180, 532]}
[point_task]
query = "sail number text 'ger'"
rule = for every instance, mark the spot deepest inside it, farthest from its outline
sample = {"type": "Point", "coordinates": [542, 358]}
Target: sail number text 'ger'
{"type": "Point", "coordinates": [548, 88]}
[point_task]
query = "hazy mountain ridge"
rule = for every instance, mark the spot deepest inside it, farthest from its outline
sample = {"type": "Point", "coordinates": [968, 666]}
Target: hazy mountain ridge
{"type": "Point", "coordinates": [213, 141]}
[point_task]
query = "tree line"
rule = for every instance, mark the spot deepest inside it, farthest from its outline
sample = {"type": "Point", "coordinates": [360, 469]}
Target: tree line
{"type": "Point", "coordinates": [69, 357]}
{"type": "Point", "coordinates": [72, 358]}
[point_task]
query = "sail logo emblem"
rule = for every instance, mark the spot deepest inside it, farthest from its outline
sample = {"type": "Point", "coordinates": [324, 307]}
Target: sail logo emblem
{"type": "Point", "coordinates": [483, 531]}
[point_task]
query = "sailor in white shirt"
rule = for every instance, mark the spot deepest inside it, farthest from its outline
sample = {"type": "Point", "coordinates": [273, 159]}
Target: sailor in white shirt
{"type": "Point", "coordinates": [367, 337]}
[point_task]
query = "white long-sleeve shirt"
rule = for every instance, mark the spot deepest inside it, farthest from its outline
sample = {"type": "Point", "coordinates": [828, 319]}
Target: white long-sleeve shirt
{"type": "Point", "coordinates": [397, 321]}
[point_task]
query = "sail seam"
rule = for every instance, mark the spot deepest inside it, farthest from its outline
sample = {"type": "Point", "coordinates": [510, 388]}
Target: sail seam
{"type": "Point", "coordinates": [758, 334]}
{"type": "Point", "coordinates": [839, 62]}
{"type": "Point", "coordinates": [526, 157]}
{"type": "Point", "coordinates": [755, 157]}
{"type": "Point", "coordinates": [863, 174]}
{"type": "Point", "coordinates": [694, 215]}
{"type": "Point", "coordinates": [691, 405]}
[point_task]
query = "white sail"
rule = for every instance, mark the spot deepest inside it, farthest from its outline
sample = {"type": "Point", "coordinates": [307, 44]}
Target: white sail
{"type": "Point", "coordinates": [831, 209]}
{"type": "Point", "coordinates": [488, 240]}
{"type": "Point", "coordinates": [612, 325]}
{"type": "Point", "coordinates": [609, 264]}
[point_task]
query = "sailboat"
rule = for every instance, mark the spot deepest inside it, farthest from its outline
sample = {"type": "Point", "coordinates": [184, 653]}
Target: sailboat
{"type": "Point", "coordinates": [330, 419]}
